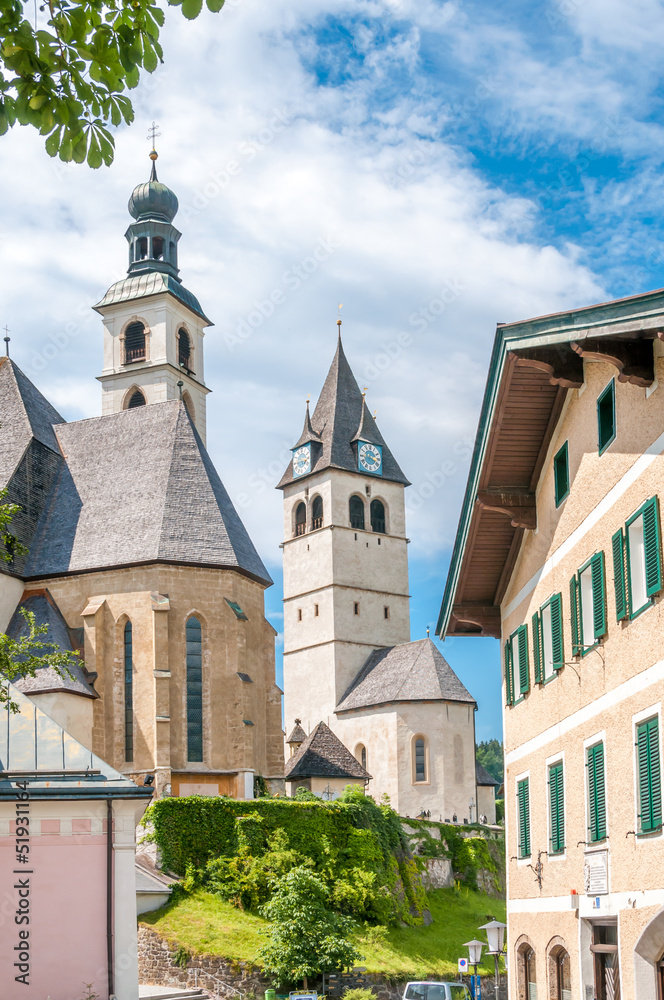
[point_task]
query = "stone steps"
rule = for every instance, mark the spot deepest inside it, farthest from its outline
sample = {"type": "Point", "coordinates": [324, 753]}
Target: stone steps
{"type": "Point", "coordinates": [174, 994]}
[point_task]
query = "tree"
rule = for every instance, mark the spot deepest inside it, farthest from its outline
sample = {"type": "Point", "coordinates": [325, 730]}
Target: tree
{"type": "Point", "coordinates": [489, 754]}
{"type": "Point", "coordinates": [64, 68]}
{"type": "Point", "coordinates": [306, 936]}
{"type": "Point", "coordinates": [24, 656]}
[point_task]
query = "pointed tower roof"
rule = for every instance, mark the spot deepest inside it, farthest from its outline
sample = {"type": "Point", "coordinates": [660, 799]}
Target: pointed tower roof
{"type": "Point", "coordinates": [298, 735]}
{"type": "Point", "coordinates": [339, 413]}
{"type": "Point", "coordinates": [308, 433]}
{"type": "Point", "coordinates": [323, 755]}
{"type": "Point", "coordinates": [412, 671]}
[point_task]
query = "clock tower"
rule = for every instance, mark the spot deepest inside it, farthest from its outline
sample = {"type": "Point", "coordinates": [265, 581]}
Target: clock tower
{"type": "Point", "coordinates": [344, 551]}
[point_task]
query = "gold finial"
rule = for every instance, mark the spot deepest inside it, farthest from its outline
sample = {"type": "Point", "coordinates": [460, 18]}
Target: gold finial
{"type": "Point", "coordinates": [153, 134]}
{"type": "Point", "coordinates": [365, 389]}
{"type": "Point", "coordinates": [375, 414]}
{"type": "Point", "coordinates": [340, 306]}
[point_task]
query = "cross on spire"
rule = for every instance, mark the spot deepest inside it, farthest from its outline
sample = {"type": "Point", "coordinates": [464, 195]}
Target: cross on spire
{"type": "Point", "coordinates": [153, 134]}
{"type": "Point", "coordinates": [7, 338]}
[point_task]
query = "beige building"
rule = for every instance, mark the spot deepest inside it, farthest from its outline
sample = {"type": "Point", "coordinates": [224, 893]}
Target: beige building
{"type": "Point", "coordinates": [136, 557]}
{"type": "Point", "coordinates": [396, 705]}
{"type": "Point", "coordinates": [559, 554]}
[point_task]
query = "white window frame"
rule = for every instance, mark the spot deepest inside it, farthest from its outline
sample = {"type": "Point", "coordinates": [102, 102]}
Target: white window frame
{"type": "Point", "coordinates": [637, 719]}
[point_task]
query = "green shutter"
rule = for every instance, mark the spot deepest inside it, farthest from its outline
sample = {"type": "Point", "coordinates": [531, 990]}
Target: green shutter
{"type": "Point", "coordinates": [524, 671]}
{"type": "Point", "coordinates": [537, 648]}
{"type": "Point", "coordinates": [523, 805]}
{"type": "Point", "coordinates": [599, 600]}
{"type": "Point", "coordinates": [597, 792]}
{"type": "Point", "coordinates": [509, 692]}
{"type": "Point", "coordinates": [651, 537]}
{"type": "Point", "coordinates": [574, 613]}
{"type": "Point", "coordinates": [557, 631]}
{"type": "Point", "coordinates": [650, 786]}
{"type": "Point", "coordinates": [619, 581]}
{"type": "Point", "coordinates": [557, 808]}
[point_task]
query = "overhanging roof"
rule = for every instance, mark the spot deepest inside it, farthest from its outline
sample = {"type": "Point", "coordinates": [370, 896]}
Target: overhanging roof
{"type": "Point", "coordinates": [533, 364]}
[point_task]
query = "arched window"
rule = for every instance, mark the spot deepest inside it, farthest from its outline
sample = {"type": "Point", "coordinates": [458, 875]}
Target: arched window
{"type": "Point", "coordinates": [378, 516]}
{"type": "Point", "coordinates": [301, 519]}
{"type": "Point", "coordinates": [157, 248]}
{"type": "Point", "coordinates": [361, 754]}
{"type": "Point", "coordinates": [194, 657]}
{"type": "Point", "coordinates": [526, 973]}
{"type": "Point", "coordinates": [142, 248]}
{"type": "Point", "coordinates": [184, 348]}
{"type": "Point", "coordinates": [356, 512]}
{"type": "Point", "coordinates": [420, 768]}
{"type": "Point", "coordinates": [317, 513]}
{"type": "Point", "coordinates": [559, 974]}
{"type": "Point", "coordinates": [128, 693]}
{"type": "Point", "coordinates": [136, 399]}
{"type": "Point", "coordinates": [134, 342]}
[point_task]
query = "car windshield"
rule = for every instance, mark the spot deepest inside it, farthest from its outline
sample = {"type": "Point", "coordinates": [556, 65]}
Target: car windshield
{"type": "Point", "coordinates": [427, 991]}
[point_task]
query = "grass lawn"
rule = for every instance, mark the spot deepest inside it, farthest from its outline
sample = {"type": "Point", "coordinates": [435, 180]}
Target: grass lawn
{"type": "Point", "coordinates": [203, 923]}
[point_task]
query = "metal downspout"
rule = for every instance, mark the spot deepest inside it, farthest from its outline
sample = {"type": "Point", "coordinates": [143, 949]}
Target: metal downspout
{"type": "Point", "coordinates": [109, 896]}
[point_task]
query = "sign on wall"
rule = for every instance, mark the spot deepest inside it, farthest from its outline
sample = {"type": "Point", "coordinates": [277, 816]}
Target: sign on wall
{"type": "Point", "coordinates": [596, 873]}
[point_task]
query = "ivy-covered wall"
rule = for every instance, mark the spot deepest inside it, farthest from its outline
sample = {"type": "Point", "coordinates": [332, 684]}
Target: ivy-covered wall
{"type": "Point", "coordinates": [477, 861]}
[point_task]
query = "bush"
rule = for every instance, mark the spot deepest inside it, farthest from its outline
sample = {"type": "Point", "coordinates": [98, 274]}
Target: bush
{"type": "Point", "coordinates": [358, 993]}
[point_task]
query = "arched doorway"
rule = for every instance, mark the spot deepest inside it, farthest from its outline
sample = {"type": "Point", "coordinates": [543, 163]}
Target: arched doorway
{"type": "Point", "coordinates": [649, 960]}
{"type": "Point", "coordinates": [526, 971]}
{"type": "Point", "coordinates": [560, 979]}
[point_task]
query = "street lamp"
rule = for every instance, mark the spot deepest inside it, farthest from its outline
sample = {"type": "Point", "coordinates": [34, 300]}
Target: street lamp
{"type": "Point", "coordinates": [475, 956]}
{"type": "Point", "coordinates": [495, 935]}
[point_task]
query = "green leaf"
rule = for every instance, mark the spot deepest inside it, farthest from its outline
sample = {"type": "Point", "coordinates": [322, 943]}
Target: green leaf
{"type": "Point", "coordinates": [95, 159]}
{"type": "Point", "coordinates": [4, 124]}
{"type": "Point", "coordinates": [78, 149]}
{"type": "Point", "coordinates": [52, 144]}
{"type": "Point", "coordinates": [191, 8]}
{"type": "Point", "coordinates": [215, 5]}
{"type": "Point", "coordinates": [66, 150]}
{"type": "Point", "coordinates": [150, 61]}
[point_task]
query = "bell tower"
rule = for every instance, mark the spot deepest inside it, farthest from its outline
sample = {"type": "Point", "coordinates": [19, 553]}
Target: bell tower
{"type": "Point", "coordinates": [344, 551]}
{"type": "Point", "coordinates": [153, 326]}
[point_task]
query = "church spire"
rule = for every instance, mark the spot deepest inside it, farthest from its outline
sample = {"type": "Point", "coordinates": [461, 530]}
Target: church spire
{"type": "Point", "coordinates": [152, 237]}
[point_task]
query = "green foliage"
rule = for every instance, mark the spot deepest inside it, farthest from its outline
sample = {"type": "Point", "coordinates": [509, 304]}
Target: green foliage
{"type": "Point", "coordinates": [468, 855]}
{"type": "Point", "coordinates": [306, 936]}
{"type": "Point", "coordinates": [500, 811]}
{"type": "Point", "coordinates": [490, 754]}
{"type": "Point", "coordinates": [240, 849]}
{"type": "Point", "coordinates": [358, 993]}
{"type": "Point", "coordinates": [180, 957]}
{"type": "Point", "coordinates": [65, 70]}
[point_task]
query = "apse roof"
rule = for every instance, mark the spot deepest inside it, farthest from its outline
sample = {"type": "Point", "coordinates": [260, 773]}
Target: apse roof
{"type": "Point", "coordinates": [323, 755]}
{"type": "Point", "coordinates": [24, 414]}
{"type": "Point", "coordinates": [412, 671]}
{"type": "Point", "coordinates": [340, 412]}
{"type": "Point", "coordinates": [483, 777]}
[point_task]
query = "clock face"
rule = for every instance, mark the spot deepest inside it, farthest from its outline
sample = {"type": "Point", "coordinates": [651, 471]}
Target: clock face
{"type": "Point", "coordinates": [301, 461]}
{"type": "Point", "coordinates": [370, 458]}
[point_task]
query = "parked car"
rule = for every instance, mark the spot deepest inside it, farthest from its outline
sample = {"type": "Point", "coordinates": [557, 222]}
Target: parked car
{"type": "Point", "coordinates": [436, 991]}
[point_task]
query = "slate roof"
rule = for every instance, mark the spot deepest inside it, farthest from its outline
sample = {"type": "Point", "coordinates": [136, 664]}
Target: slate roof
{"type": "Point", "coordinates": [140, 286]}
{"type": "Point", "coordinates": [37, 747]}
{"type": "Point", "coordinates": [323, 755]}
{"type": "Point", "coordinates": [483, 777]}
{"type": "Point", "coordinates": [339, 412]}
{"type": "Point", "coordinates": [308, 433]}
{"type": "Point", "coordinates": [24, 414]}
{"type": "Point", "coordinates": [46, 679]}
{"type": "Point", "coordinates": [412, 671]}
{"type": "Point", "coordinates": [138, 486]}
{"type": "Point", "coordinates": [298, 735]}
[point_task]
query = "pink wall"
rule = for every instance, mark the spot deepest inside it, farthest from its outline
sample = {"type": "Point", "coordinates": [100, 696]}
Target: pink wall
{"type": "Point", "coordinates": [67, 917]}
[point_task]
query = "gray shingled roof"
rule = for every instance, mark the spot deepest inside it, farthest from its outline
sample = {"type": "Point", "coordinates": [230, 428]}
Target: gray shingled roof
{"type": "Point", "coordinates": [339, 412]}
{"type": "Point", "coordinates": [298, 735]}
{"type": "Point", "coordinates": [323, 755]}
{"type": "Point", "coordinates": [138, 487]}
{"type": "Point", "coordinates": [47, 679]}
{"type": "Point", "coordinates": [24, 414]}
{"type": "Point", "coordinates": [308, 433]}
{"type": "Point", "coordinates": [413, 671]}
{"type": "Point", "coordinates": [483, 777]}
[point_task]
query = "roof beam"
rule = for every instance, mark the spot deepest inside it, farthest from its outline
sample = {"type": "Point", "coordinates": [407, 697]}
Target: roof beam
{"type": "Point", "coordinates": [484, 617]}
{"type": "Point", "coordinates": [563, 366]}
{"type": "Point", "coordinates": [518, 505]}
{"type": "Point", "coordinates": [634, 359]}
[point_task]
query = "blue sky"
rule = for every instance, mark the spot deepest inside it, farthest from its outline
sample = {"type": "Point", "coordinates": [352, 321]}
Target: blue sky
{"type": "Point", "coordinates": [465, 164]}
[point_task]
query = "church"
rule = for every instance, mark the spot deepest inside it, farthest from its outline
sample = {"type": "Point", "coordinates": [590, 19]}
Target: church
{"type": "Point", "coordinates": [349, 664]}
{"type": "Point", "coordinates": [136, 557]}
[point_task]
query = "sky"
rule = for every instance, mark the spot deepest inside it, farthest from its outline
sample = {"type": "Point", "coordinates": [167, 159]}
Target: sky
{"type": "Point", "coordinates": [437, 167]}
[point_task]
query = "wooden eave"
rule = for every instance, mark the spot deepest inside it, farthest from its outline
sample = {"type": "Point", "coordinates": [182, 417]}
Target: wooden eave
{"type": "Point", "coordinates": [533, 366]}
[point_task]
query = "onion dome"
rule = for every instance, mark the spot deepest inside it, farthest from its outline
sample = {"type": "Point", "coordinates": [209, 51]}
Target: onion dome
{"type": "Point", "coordinates": [153, 200]}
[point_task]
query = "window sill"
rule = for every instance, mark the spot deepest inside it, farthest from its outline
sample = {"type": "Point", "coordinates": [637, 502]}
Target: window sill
{"type": "Point", "coordinates": [649, 834]}
{"type": "Point", "coordinates": [589, 649]}
{"type": "Point", "coordinates": [635, 614]}
{"type": "Point", "coordinates": [557, 855]}
{"type": "Point", "coordinates": [600, 451]}
{"type": "Point", "coordinates": [419, 784]}
{"type": "Point", "coordinates": [560, 502]}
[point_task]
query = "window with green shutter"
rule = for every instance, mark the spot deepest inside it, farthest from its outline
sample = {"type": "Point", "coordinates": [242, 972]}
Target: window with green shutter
{"type": "Point", "coordinates": [642, 575]}
{"type": "Point", "coordinates": [649, 769]}
{"type": "Point", "coordinates": [588, 605]}
{"type": "Point", "coordinates": [509, 675]}
{"type": "Point", "coordinates": [606, 417]}
{"type": "Point", "coordinates": [523, 817]}
{"type": "Point", "coordinates": [596, 793]}
{"type": "Point", "coordinates": [561, 474]}
{"type": "Point", "coordinates": [548, 650]}
{"type": "Point", "coordinates": [518, 658]}
{"type": "Point", "coordinates": [619, 576]}
{"type": "Point", "coordinates": [556, 809]}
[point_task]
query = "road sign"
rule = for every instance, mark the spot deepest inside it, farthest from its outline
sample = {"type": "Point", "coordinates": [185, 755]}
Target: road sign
{"type": "Point", "coordinates": [463, 965]}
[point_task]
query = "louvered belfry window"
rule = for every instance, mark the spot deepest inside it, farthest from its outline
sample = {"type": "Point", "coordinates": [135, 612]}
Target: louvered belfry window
{"type": "Point", "coordinates": [557, 808]}
{"type": "Point", "coordinates": [637, 561]}
{"type": "Point", "coordinates": [356, 512]}
{"type": "Point", "coordinates": [194, 657]}
{"type": "Point", "coordinates": [650, 781]}
{"type": "Point", "coordinates": [134, 342]}
{"type": "Point", "coordinates": [596, 793]}
{"type": "Point", "coordinates": [523, 817]}
{"type": "Point", "coordinates": [548, 653]}
{"type": "Point", "coordinates": [128, 692]}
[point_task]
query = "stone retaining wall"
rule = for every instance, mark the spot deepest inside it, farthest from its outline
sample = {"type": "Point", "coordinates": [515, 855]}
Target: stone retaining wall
{"type": "Point", "coordinates": [157, 967]}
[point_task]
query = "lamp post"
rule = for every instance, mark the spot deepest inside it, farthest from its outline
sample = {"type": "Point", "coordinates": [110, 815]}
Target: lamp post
{"type": "Point", "coordinates": [495, 935]}
{"type": "Point", "coordinates": [475, 957]}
